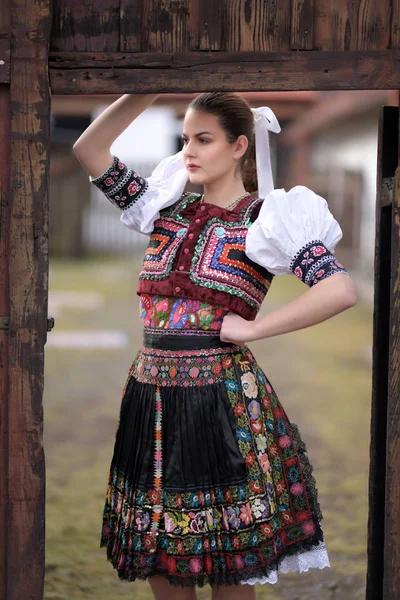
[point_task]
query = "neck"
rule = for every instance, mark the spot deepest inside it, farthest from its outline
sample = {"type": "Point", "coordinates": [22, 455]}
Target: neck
{"type": "Point", "coordinates": [223, 193]}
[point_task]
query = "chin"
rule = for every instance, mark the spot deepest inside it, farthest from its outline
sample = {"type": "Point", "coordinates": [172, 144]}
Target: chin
{"type": "Point", "coordinates": [196, 179]}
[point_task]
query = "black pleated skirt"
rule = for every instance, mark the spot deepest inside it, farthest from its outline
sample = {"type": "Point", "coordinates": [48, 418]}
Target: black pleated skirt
{"type": "Point", "coordinates": [210, 482]}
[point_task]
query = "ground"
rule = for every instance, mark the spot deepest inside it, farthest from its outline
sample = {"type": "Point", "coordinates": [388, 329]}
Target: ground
{"type": "Point", "coordinates": [321, 374]}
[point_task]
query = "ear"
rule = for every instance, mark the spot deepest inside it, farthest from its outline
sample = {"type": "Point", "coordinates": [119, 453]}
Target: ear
{"type": "Point", "coordinates": [240, 146]}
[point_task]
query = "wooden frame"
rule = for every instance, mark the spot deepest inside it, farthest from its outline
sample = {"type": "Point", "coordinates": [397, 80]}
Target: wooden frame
{"type": "Point", "coordinates": [302, 45]}
{"type": "Point", "coordinates": [102, 73]}
{"type": "Point", "coordinates": [24, 220]}
{"type": "Point", "coordinates": [384, 501]}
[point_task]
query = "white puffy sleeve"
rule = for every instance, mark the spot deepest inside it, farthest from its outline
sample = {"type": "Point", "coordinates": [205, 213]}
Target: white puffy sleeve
{"type": "Point", "coordinates": [141, 199]}
{"type": "Point", "coordinates": [295, 232]}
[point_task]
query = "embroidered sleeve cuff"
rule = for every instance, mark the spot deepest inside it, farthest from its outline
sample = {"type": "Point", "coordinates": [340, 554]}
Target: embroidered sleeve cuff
{"type": "Point", "coordinates": [121, 185]}
{"type": "Point", "coordinates": [315, 262]}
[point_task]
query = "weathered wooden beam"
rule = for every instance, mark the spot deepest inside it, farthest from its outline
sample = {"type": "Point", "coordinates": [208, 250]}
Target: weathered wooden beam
{"type": "Point", "coordinates": [395, 25]}
{"type": "Point", "coordinates": [391, 582]}
{"type": "Point", "coordinates": [357, 25]}
{"type": "Point", "coordinates": [4, 61]}
{"type": "Point", "coordinates": [92, 25]}
{"type": "Point", "coordinates": [4, 312]}
{"type": "Point", "coordinates": [99, 73]}
{"type": "Point", "coordinates": [257, 26]}
{"type": "Point", "coordinates": [302, 34]}
{"type": "Point", "coordinates": [130, 22]}
{"type": "Point", "coordinates": [386, 166]}
{"type": "Point", "coordinates": [5, 159]}
{"type": "Point", "coordinates": [28, 281]}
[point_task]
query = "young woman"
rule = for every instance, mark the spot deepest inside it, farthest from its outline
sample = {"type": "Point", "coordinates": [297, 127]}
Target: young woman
{"type": "Point", "coordinates": [210, 482]}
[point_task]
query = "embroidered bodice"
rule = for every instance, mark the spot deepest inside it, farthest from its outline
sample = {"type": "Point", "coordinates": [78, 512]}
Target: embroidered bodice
{"type": "Point", "coordinates": [168, 312]}
{"type": "Point", "coordinates": [202, 252]}
{"type": "Point", "coordinates": [198, 251]}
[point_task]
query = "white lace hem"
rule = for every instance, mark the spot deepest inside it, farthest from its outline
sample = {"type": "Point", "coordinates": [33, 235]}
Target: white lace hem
{"type": "Point", "coordinates": [313, 559]}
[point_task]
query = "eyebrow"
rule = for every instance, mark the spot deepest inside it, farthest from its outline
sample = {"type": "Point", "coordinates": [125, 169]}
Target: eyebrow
{"type": "Point", "coordinates": [198, 134]}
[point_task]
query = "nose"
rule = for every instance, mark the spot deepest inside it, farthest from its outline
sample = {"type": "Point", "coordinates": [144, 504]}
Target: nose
{"type": "Point", "coordinates": [187, 150]}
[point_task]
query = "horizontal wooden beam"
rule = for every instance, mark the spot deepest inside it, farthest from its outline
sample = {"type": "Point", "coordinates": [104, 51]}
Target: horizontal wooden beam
{"type": "Point", "coordinates": [109, 73]}
{"type": "Point", "coordinates": [4, 61]}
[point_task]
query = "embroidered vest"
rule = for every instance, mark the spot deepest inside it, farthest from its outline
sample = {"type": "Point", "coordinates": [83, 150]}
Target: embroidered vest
{"type": "Point", "coordinates": [198, 251]}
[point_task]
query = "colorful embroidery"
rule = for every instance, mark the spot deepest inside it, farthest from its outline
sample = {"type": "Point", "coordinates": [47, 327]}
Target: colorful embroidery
{"type": "Point", "coordinates": [157, 491]}
{"type": "Point", "coordinates": [220, 262]}
{"type": "Point", "coordinates": [315, 262]}
{"type": "Point", "coordinates": [121, 185]}
{"type": "Point", "coordinates": [167, 312]}
{"type": "Point", "coordinates": [165, 367]}
{"type": "Point", "coordinates": [164, 242]}
{"type": "Point", "coordinates": [223, 533]}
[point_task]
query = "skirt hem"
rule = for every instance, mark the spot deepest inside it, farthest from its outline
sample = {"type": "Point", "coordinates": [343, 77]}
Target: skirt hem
{"type": "Point", "coordinates": [244, 576]}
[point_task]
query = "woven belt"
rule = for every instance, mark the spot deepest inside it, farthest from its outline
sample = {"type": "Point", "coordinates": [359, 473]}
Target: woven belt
{"type": "Point", "coordinates": [183, 342]}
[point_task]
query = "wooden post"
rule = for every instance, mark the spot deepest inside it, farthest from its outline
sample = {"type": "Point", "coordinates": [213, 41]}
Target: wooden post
{"type": "Point", "coordinates": [391, 584]}
{"type": "Point", "coordinates": [383, 448]}
{"type": "Point", "coordinates": [28, 277]}
{"type": "Point", "coordinates": [5, 19]}
{"type": "Point", "coordinates": [4, 312]}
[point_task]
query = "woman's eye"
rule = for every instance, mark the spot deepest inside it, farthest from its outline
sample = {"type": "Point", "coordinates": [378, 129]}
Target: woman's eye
{"type": "Point", "coordinates": [201, 140]}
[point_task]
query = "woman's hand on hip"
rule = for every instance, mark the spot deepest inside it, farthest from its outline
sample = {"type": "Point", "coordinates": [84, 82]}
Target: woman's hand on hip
{"type": "Point", "coordinates": [235, 329]}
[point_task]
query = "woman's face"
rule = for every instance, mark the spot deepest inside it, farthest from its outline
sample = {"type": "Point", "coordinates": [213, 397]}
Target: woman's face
{"type": "Point", "coordinates": [207, 154]}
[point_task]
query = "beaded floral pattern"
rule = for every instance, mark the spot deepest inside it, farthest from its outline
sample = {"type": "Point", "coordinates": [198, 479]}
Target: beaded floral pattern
{"type": "Point", "coordinates": [220, 534]}
{"type": "Point", "coordinates": [315, 262]}
{"type": "Point", "coordinates": [121, 185]}
{"type": "Point", "coordinates": [167, 312]}
{"type": "Point", "coordinates": [220, 262]}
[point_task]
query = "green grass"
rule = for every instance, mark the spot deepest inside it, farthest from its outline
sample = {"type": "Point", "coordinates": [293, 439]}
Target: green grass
{"type": "Point", "coordinates": [322, 376]}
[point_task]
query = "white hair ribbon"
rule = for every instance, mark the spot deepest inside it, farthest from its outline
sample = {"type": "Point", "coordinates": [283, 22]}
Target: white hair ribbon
{"type": "Point", "coordinates": [264, 121]}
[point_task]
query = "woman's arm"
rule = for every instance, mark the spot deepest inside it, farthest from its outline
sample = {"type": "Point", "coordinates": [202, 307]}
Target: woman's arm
{"type": "Point", "coordinates": [93, 147]}
{"type": "Point", "coordinates": [327, 298]}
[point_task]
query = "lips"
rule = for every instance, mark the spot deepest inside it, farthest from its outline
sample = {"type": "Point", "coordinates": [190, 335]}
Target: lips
{"type": "Point", "coordinates": [193, 166]}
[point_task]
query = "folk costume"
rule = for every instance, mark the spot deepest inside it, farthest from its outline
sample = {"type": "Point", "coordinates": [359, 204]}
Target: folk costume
{"type": "Point", "coordinates": [210, 481]}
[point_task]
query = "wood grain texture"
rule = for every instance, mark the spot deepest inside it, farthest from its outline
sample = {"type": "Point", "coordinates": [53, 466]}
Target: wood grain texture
{"type": "Point", "coordinates": [302, 25]}
{"type": "Point", "coordinates": [257, 25]}
{"type": "Point", "coordinates": [391, 582]}
{"type": "Point", "coordinates": [28, 279]}
{"type": "Point", "coordinates": [4, 61]}
{"type": "Point", "coordinates": [90, 26]}
{"type": "Point", "coordinates": [155, 25]}
{"type": "Point", "coordinates": [75, 73]}
{"type": "Point", "coordinates": [4, 311]}
{"type": "Point", "coordinates": [395, 25]}
{"type": "Point", "coordinates": [219, 25]}
{"type": "Point", "coordinates": [355, 25]}
{"type": "Point", "coordinates": [5, 22]}
{"type": "Point", "coordinates": [131, 21]}
{"type": "Point", "coordinates": [211, 25]}
{"type": "Point", "coordinates": [386, 166]}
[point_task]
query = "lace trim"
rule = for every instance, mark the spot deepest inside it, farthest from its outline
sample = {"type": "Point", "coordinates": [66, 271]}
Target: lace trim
{"type": "Point", "coordinates": [314, 559]}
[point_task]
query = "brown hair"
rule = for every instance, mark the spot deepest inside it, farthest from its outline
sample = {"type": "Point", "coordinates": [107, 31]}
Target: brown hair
{"type": "Point", "coordinates": [236, 119]}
